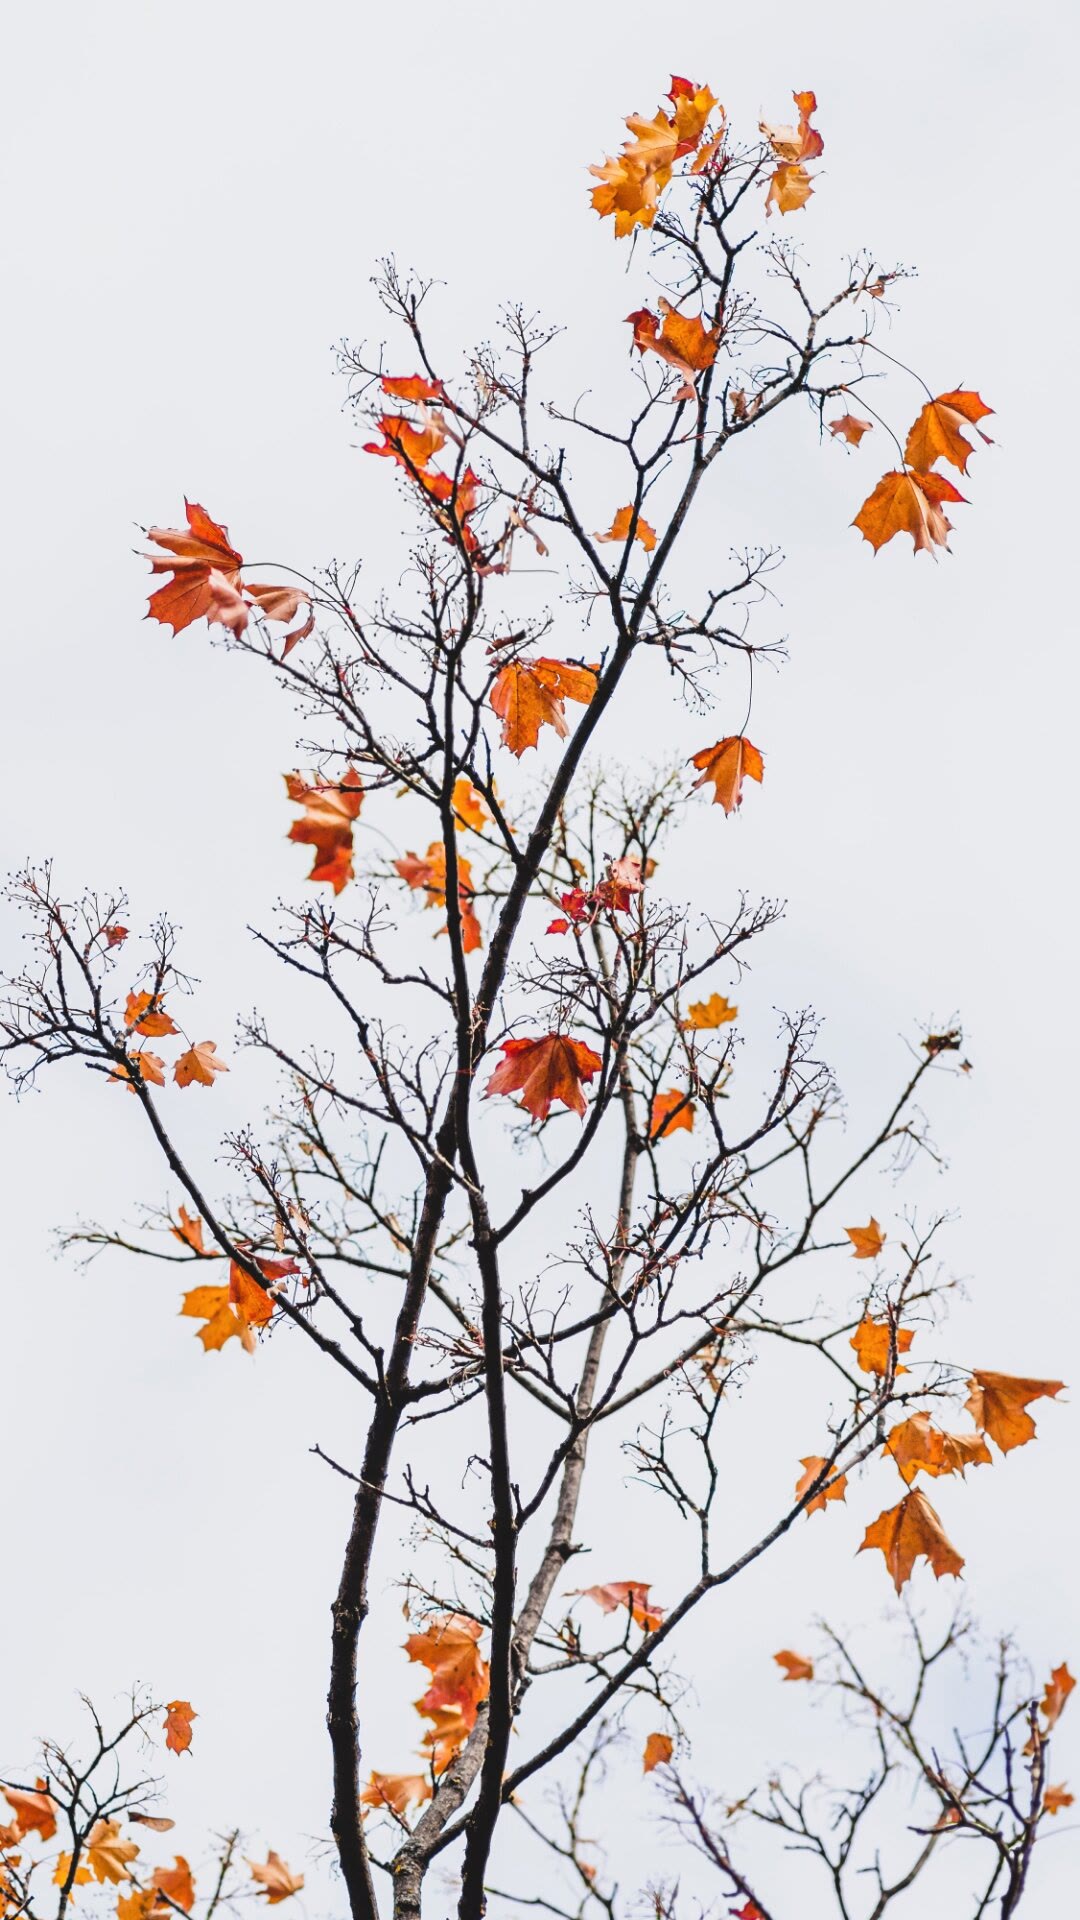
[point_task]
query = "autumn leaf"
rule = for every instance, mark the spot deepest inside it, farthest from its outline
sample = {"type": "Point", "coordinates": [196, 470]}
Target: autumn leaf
{"type": "Point", "coordinates": [330, 808]}
{"type": "Point", "coordinates": [176, 1884]}
{"type": "Point", "coordinates": [867, 1241]}
{"type": "Point", "coordinates": [937, 433]}
{"type": "Point", "coordinates": [669, 1112]}
{"type": "Point", "coordinates": [114, 936]}
{"type": "Point", "coordinates": [80, 1877]}
{"type": "Point", "coordinates": [909, 1532]}
{"type": "Point", "coordinates": [34, 1808]}
{"type": "Point", "coordinates": [189, 1231]}
{"type": "Point", "coordinates": [152, 1025]}
{"type": "Point", "coordinates": [873, 1344]}
{"type": "Point", "coordinates": [233, 1311]}
{"type": "Point", "coordinates": [997, 1403]}
{"type": "Point", "coordinates": [682, 340]}
{"type": "Point", "coordinates": [795, 1665]}
{"type": "Point", "coordinates": [396, 1791]}
{"type": "Point", "coordinates": [149, 1069]}
{"type": "Point", "coordinates": [732, 760]}
{"type": "Point", "coordinates": [1056, 1799]}
{"type": "Point", "coordinates": [460, 1679]}
{"type": "Point", "coordinates": [413, 386]}
{"type": "Point", "coordinates": [916, 1445]}
{"type": "Point", "coordinates": [1056, 1693]}
{"type": "Point", "coordinates": [620, 529]}
{"type": "Point", "coordinates": [704, 1015]}
{"type": "Point", "coordinates": [179, 1715]}
{"type": "Point", "coordinates": [413, 447]}
{"type": "Point", "coordinates": [157, 1822]}
{"type": "Point", "coordinates": [450, 1728]}
{"type": "Point", "coordinates": [659, 1748]}
{"type": "Point", "coordinates": [632, 1594]}
{"type": "Point", "coordinates": [554, 1067]}
{"type": "Point", "coordinates": [428, 876]}
{"type": "Point", "coordinates": [530, 694]}
{"type": "Point", "coordinates": [198, 1065]}
{"type": "Point", "coordinates": [470, 808]}
{"type": "Point", "coordinates": [108, 1856]}
{"type": "Point", "coordinates": [812, 1465]}
{"type": "Point", "coordinates": [138, 1905]}
{"type": "Point", "coordinates": [276, 1879]}
{"type": "Point", "coordinates": [912, 503]}
{"type": "Point", "coordinates": [631, 183]}
{"type": "Point", "coordinates": [191, 556]}
{"type": "Point", "coordinates": [790, 186]}
{"type": "Point", "coordinates": [851, 428]}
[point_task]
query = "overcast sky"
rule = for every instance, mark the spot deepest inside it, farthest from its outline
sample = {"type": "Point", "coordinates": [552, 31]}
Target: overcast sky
{"type": "Point", "coordinates": [196, 200]}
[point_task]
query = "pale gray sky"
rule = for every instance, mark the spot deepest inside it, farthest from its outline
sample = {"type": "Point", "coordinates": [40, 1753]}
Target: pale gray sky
{"type": "Point", "coordinates": [196, 200]}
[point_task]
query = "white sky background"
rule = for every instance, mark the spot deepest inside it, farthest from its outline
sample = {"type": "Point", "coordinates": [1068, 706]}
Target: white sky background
{"type": "Point", "coordinates": [199, 197]}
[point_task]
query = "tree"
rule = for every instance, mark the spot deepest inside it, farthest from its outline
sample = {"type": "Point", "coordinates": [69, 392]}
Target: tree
{"type": "Point", "coordinates": [566, 1001]}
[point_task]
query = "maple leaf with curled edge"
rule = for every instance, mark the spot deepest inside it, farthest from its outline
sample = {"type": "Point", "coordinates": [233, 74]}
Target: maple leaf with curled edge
{"type": "Point", "coordinates": [632, 1594]}
{"type": "Point", "coordinates": [175, 1884]}
{"type": "Point", "coordinates": [726, 766]}
{"type": "Point", "coordinates": [850, 427]}
{"type": "Point", "coordinates": [680, 339]}
{"type": "Point", "coordinates": [413, 386]}
{"type": "Point", "coordinates": [396, 1792]}
{"type": "Point", "coordinates": [908, 1532]}
{"type": "Point", "coordinates": [107, 1855]}
{"type": "Point", "coordinates": [412, 446]}
{"type": "Point", "coordinates": [470, 807]}
{"type": "Point", "coordinates": [330, 809]}
{"type": "Point", "coordinates": [460, 1681]}
{"type": "Point", "coordinates": [917, 1446]}
{"type": "Point", "coordinates": [790, 185]}
{"type": "Point", "coordinates": [191, 556]}
{"type": "Point", "coordinates": [553, 1067]}
{"type": "Point", "coordinates": [449, 1729]}
{"type": "Point", "coordinates": [812, 1466]}
{"type": "Point", "coordinates": [670, 1112]}
{"type": "Point", "coordinates": [631, 183]}
{"type": "Point", "coordinates": [937, 435]}
{"type": "Point", "coordinates": [179, 1715]}
{"type": "Point", "coordinates": [906, 502]}
{"type": "Point", "coordinates": [796, 1666]}
{"type": "Point", "coordinates": [235, 1310]}
{"type": "Point", "coordinates": [867, 1241]}
{"type": "Point", "coordinates": [152, 1024]}
{"type": "Point", "coordinates": [198, 1066]}
{"type": "Point", "coordinates": [702, 1016]}
{"type": "Point", "coordinates": [1056, 1693]}
{"type": "Point", "coordinates": [659, 1748]}
{"type": "Point", "coordinates": [34, 1808]}
{"type": "Point", "coordinates": [428, 875]}
{"type": "Point", "coordinates": [276, 1879]}
{"type": "Point", "coordinates": [149, 1070]}
{"type": "Point", "coordinates": [530, 694]}
{"type": "Point", "coordinates": [877, 1341]}
{"type": "Point", "coordinates": [1055, 1799]}
{"type": "Point", "coordinates": [188, 1229]}
{"type": "Point", "coordinates": [620, 529]}
{"type": "Point", "coordinates": [997, 1404]}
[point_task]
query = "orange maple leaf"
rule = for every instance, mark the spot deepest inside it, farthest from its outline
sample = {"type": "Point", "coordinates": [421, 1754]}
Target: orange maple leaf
{"type": "Point", "coordinates": [812, 1465]}
{"type": "Point", "coordinates": [450, 1728]}
{"type": "Point", "coordinates": [191, 556]}
{"type": "Point", "coordinates": [873, 1344]}
{"type": "Point", "coordinates": [631, 184]}
{"type": "Point", "coordinates": [936, 434]}
{"type": "Point", "coordinates": [396, 1791]}
{"type": "Point", "coordinates": [530, 694]}
{"type": "Point", "coordinates": [149, 1069]}
{"type": "Point", "coordinates": [413, 386]}
{"type": "Point", "coordinates": [867, 1241]}
{"type": "Point", "coordinates": [659, 1748]}
{"type": "Point", "coordinates": [34, 1808]}
{"type": "Point", "coordinates": [916, 1445]}
{"type": "Point", "coordinates": [904, 502]}
{"type": "Point", "coordinates": [470, 807]}
{"type": "Point", "coordinates": [179, 1715]}
{"type": "Point", "coordinates": [330, 808]}
{"type": "Point", "coordinates": [851, 427]}
{"type": "Point", "coordinates": [276, 1879]}
{"type": "Point", "coordinates": [189, 1231]}
{"type": "Point", "coordinates": [198, 1065]}
{"type": "Point", "coordinates": [703, 1015]}
{"type": "Point", "coordinates": [1055, 1799]}
{"type": "Point", "coordinates": [233, 1311]}
{"type": "Point", "coordinates": [997, 1403]}
{"type": "Point", "coordinates": [680, 339]}
{"type": "Point", "coordinates": [909, 1532]}
{"type": "Point", "coordinates": [411, 446]}
{"type": "Point", "coordinates": [1056, 1693]}
{"type": "Point", "coordinates": [620, 529]}
{"type": "Point", "coordinates": [553, 1067]}
{"type": "Point", "coordinates": [108, 1856]}
{"type": "Point", "coordinates": [633, 1594]}
{"type": "Point", "coordinates": [795, 1665]}
{"type": "Point", "coordinates": [460, 1679]}
{"type": "Point", "coordinates": [153, 1025]}
{"type": "Point", "coordinates": [428, 875]}
{"type": "Point", "coordinates": [175, 1884]}
{"type": "Point", "coordinates": [670, 1112]}
{"type": "Point", "coordinates": [790, 186]}
{"type": "Point", "coordinates": [732, 760]}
